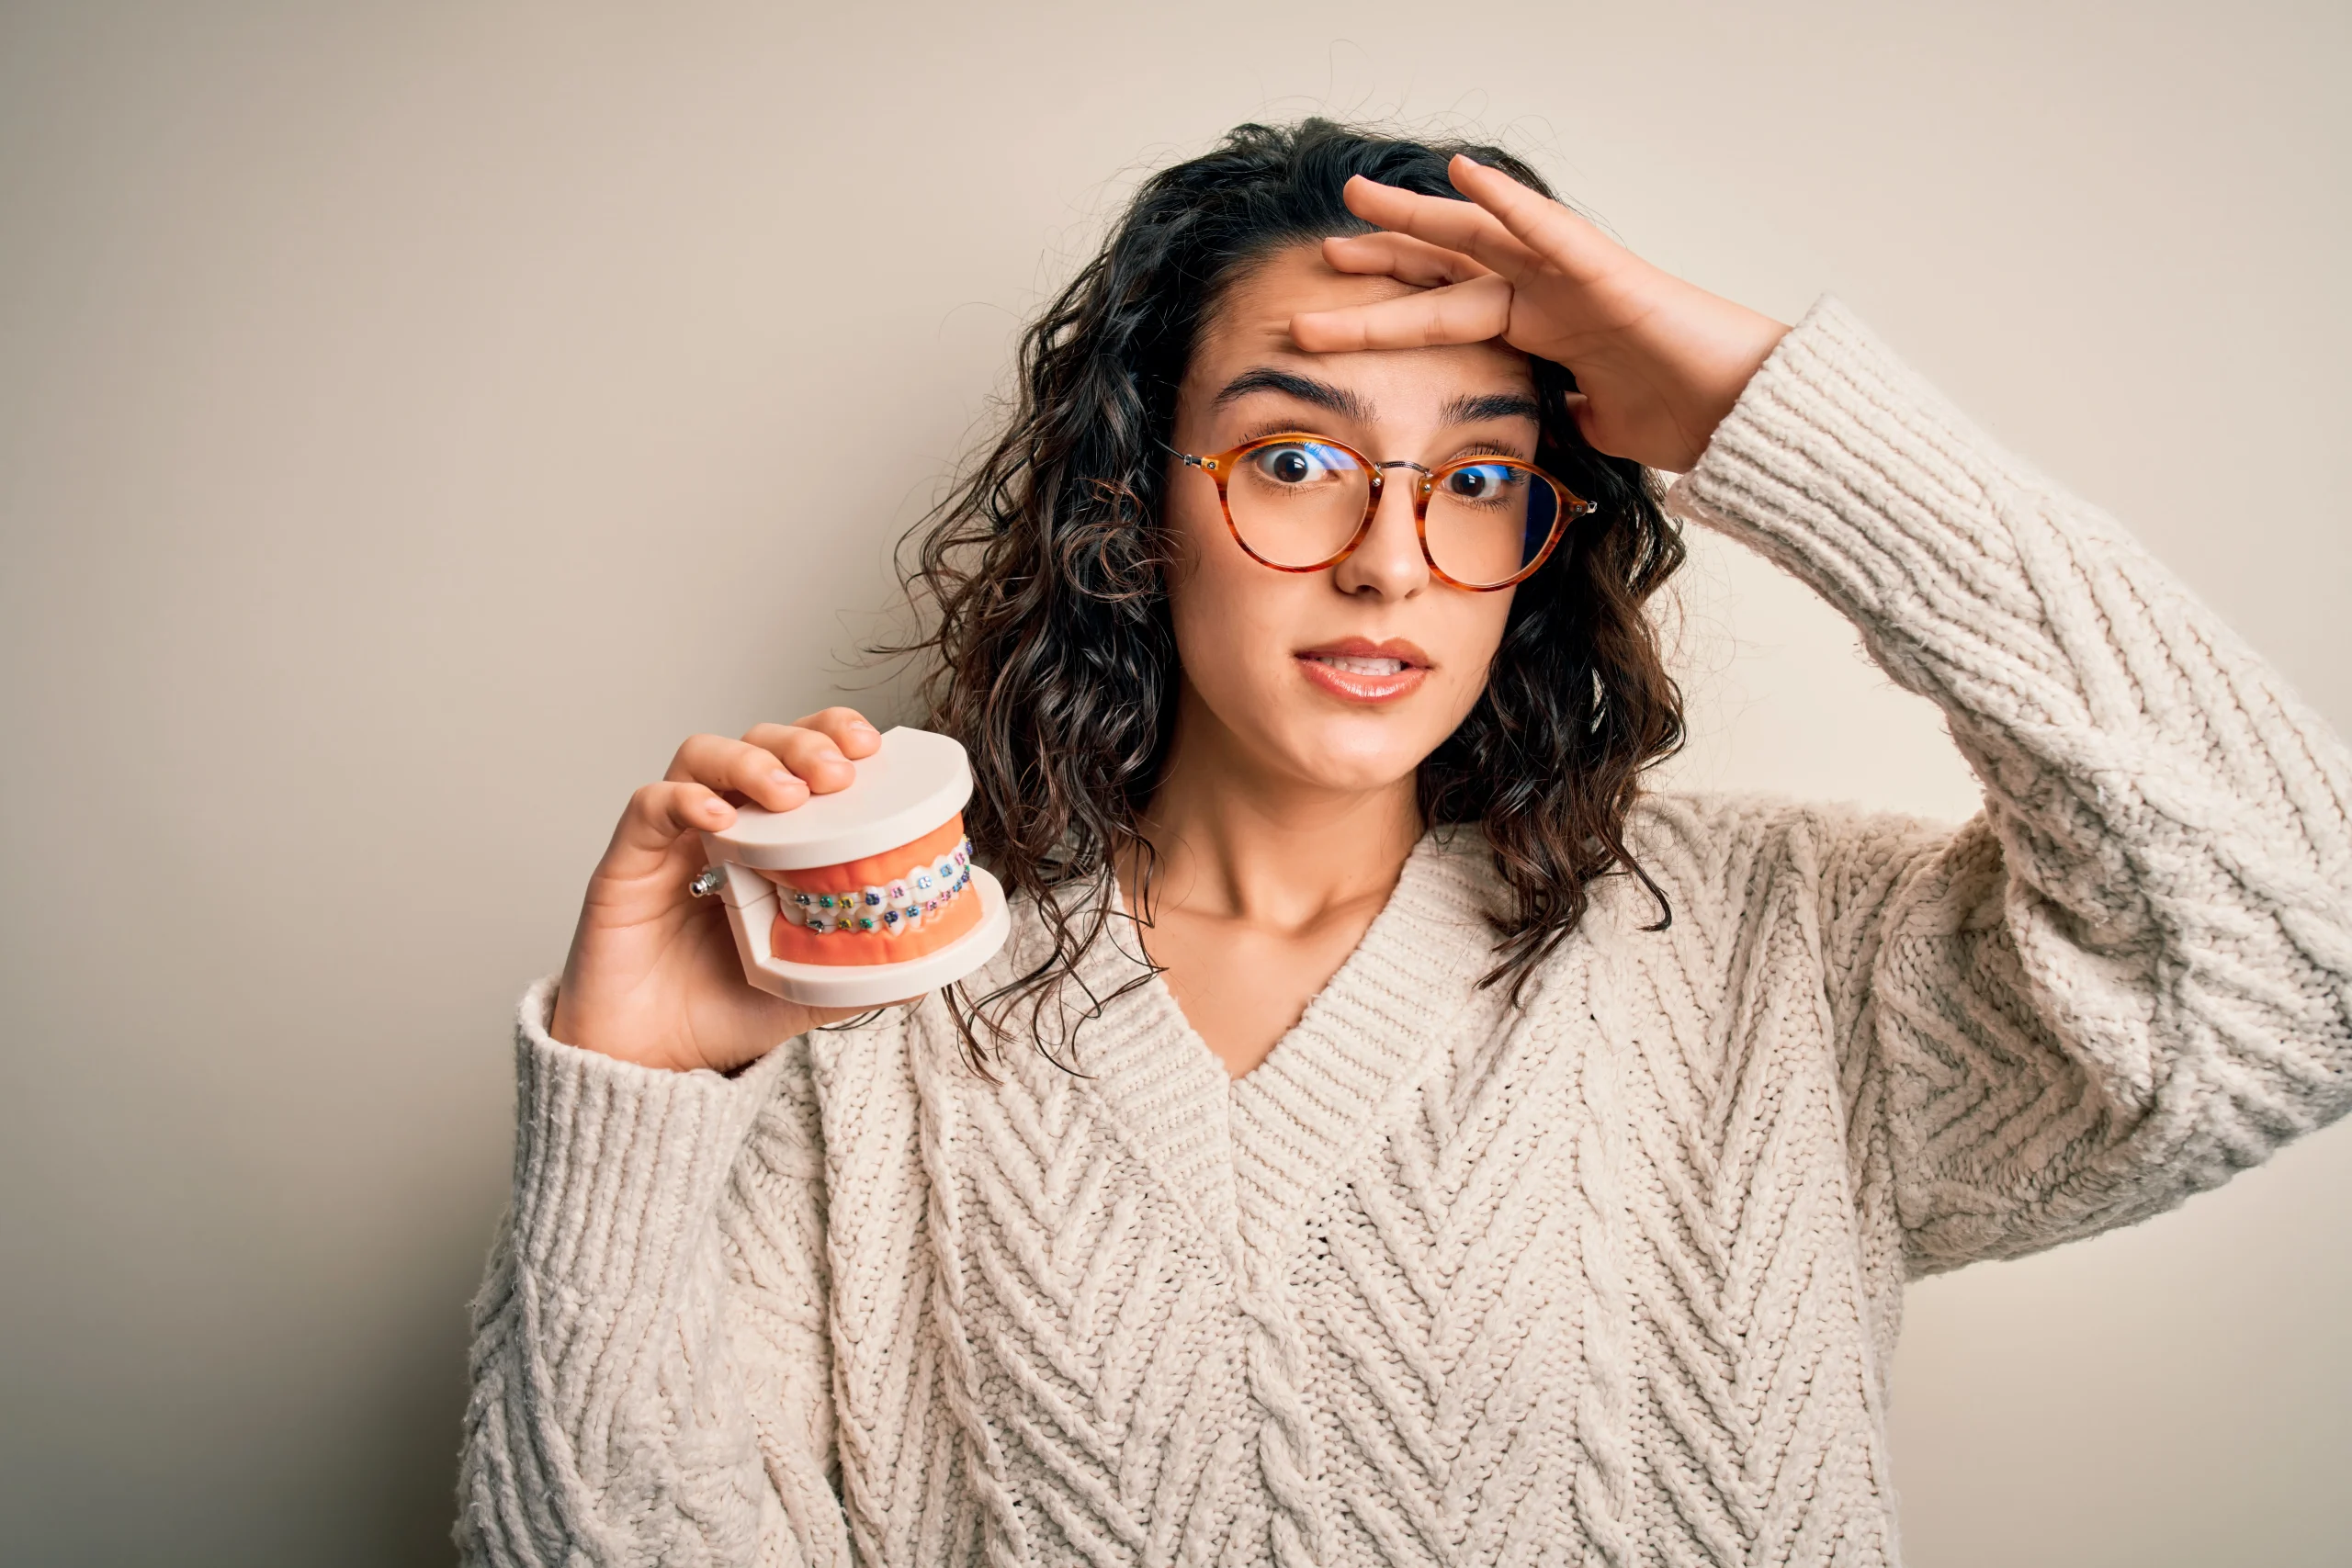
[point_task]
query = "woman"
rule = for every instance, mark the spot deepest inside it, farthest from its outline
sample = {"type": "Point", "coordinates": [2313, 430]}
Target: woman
{"type": "Point", "coordinates": [1461, 1157]}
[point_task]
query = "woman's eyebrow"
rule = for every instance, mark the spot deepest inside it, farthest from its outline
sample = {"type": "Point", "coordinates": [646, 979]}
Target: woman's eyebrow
{"type": "Point", "coordinates": [1306, 388]}
{"type": "Point", "coordinates": [1468, 408]}
{"type": "Point", "coordinates": [1491, 405]}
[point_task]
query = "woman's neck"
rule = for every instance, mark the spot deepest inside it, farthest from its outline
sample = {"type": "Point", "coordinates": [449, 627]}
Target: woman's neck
{"type": "Point", "coordinates": [1238, 842]}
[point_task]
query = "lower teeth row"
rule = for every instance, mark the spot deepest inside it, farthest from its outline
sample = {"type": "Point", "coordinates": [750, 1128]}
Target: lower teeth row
{"type": "Point", "coordinates": [902, 905]}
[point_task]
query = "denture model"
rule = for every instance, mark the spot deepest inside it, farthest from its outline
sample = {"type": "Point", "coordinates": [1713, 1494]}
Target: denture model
{"type": "Point", "coordinates": [867, 894]}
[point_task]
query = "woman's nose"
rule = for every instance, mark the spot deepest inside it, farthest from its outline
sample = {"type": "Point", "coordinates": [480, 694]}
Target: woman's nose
{"type": "Point", "coordinates": [1389, 562]}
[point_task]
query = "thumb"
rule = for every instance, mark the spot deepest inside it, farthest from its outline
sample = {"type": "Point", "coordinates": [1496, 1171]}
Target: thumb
{"type": "Point", "coordinates": [1580, 410]}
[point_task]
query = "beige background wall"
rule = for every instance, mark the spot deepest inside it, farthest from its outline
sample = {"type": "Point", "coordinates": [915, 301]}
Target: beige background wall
{"type": "Point", "coordinates": [411, 423]}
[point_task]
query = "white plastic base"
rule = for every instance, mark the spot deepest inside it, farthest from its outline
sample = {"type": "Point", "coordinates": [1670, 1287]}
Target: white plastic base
{"type": "Point", "coordinates": [865, 984]}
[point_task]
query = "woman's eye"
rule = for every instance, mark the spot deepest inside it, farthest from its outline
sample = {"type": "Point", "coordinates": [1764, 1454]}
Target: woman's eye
{"type": "Point", "coordinates": [1481, 482]}
{"type": "Point", "coordinates": [1292, 465]}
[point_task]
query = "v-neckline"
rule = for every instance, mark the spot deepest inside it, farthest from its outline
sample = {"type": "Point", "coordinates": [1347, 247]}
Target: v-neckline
{"type": "Point", "coordinates": [1247, 1154]}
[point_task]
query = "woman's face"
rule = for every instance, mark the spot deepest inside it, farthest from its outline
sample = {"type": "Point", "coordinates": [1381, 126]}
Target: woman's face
{"type": "Point", "coordinates": [1345, 679]}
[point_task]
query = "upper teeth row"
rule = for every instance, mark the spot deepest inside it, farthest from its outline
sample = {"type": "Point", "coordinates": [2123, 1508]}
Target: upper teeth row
{"type": "Point", "coordinates": [1356, 666]}
{"type": "Point", "coordinates": [902, 904]}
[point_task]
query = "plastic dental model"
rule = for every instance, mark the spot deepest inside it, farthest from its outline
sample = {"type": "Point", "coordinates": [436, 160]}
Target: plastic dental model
{"type": "Point", "coordinates": [867, 894]}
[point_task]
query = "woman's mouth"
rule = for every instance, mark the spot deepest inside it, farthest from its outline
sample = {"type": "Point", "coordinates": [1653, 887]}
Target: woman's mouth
{"type": "Point", "coordinates": [1362, 672]}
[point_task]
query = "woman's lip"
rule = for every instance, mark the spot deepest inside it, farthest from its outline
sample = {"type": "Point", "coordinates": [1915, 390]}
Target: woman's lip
{"type": "Point", "coordinates": [1357, 686]}
{"type": "Point", "coordinates": [1365, 648]}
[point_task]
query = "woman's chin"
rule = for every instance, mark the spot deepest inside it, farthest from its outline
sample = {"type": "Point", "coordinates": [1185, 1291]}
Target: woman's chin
{"type": "Point", "coordinates": [1355, 754]}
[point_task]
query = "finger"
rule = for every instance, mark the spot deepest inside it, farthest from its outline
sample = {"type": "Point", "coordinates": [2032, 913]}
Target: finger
{"type": "Point", "coordinates": [1574, 245]}
{"type": "Point", "coordinates": [848, 728]}
{"type": "Point", "coordinates": [659, 815]}
{"type": "Point", "coordinates": [813, 756]}
{"type": "Point", "coordinates": [1459, 313]}
{"type": "Point", "coordinates": [757, 772]}
{"type": "Point", "coordinates": [1399, 256]}
{"type": "Point", "coordinates": [1460, 226]}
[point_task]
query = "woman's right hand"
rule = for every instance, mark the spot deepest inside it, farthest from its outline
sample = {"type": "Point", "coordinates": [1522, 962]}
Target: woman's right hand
{"type": "Point", "coordinates": [653, 976]}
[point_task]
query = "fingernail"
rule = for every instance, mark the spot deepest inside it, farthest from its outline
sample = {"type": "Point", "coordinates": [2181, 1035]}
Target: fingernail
{"type": "Point", "coordinates": [861, 726]}
{"type": "Point", "coordinates": [782, 780]}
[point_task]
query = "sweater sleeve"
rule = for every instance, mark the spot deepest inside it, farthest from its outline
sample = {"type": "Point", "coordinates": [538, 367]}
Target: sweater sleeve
{"type": "Point", "coordinates": [651, 1377]}
{"type": "Point", "coordinates": [2130, 976]}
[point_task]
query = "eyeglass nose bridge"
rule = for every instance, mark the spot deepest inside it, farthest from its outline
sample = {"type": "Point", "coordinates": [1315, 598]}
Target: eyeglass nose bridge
{"type": "Point", "coordinates": [1380, 480]}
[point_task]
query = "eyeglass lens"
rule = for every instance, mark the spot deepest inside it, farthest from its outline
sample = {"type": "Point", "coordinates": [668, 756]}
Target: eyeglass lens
{"type": "Point", "coordinates": [1297, 503]}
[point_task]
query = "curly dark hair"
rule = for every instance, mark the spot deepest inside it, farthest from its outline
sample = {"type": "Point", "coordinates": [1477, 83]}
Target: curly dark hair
{"type": "Point", "coordinates": [1042, 577]}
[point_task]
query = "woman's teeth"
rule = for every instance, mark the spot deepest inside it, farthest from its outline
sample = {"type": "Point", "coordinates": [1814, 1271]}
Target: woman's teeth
{"type": "Point", "coordinates": [1356, 666]}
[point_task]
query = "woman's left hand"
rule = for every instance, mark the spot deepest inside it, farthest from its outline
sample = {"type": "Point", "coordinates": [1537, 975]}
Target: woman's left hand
{"type": "Point", "coordinates": [1659, 362]}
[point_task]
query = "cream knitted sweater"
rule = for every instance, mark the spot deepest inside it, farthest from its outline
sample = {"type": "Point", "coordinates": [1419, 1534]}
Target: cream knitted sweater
{"type": "Point", "coordinates": [1612, 1279]}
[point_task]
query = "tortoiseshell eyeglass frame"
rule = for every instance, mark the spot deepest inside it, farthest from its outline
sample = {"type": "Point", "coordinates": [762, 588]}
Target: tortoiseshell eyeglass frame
{"type": "Point", "coordinates": [1219, 468]}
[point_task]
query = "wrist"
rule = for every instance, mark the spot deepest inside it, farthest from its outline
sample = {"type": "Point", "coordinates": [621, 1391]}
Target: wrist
{"type": "Point", "coordinates": [579, 1029]}
{"type": "Point", "coordinates": [1741, 341]}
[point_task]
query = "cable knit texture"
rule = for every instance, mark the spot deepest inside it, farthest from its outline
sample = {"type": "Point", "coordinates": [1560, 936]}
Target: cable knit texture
{"type": "Point", "coordinates": [1613, 1277]}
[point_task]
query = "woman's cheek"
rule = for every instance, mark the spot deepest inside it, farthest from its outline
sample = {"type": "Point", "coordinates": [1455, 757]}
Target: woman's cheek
{"type": "Point", "coordinates": [1245, 632]}
{"type": "Point", "coordinates": [1217, 626]}
{"type": "Point", "coordinates": [1477, 640]}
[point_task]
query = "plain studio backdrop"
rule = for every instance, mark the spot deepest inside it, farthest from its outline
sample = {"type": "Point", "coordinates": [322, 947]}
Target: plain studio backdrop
{"type": "Point", "coordinates": [416, 419]}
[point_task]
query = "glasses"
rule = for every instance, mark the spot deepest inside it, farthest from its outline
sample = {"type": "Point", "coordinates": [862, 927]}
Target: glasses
{"type": "Point", "coordinates": [1302, 503]}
